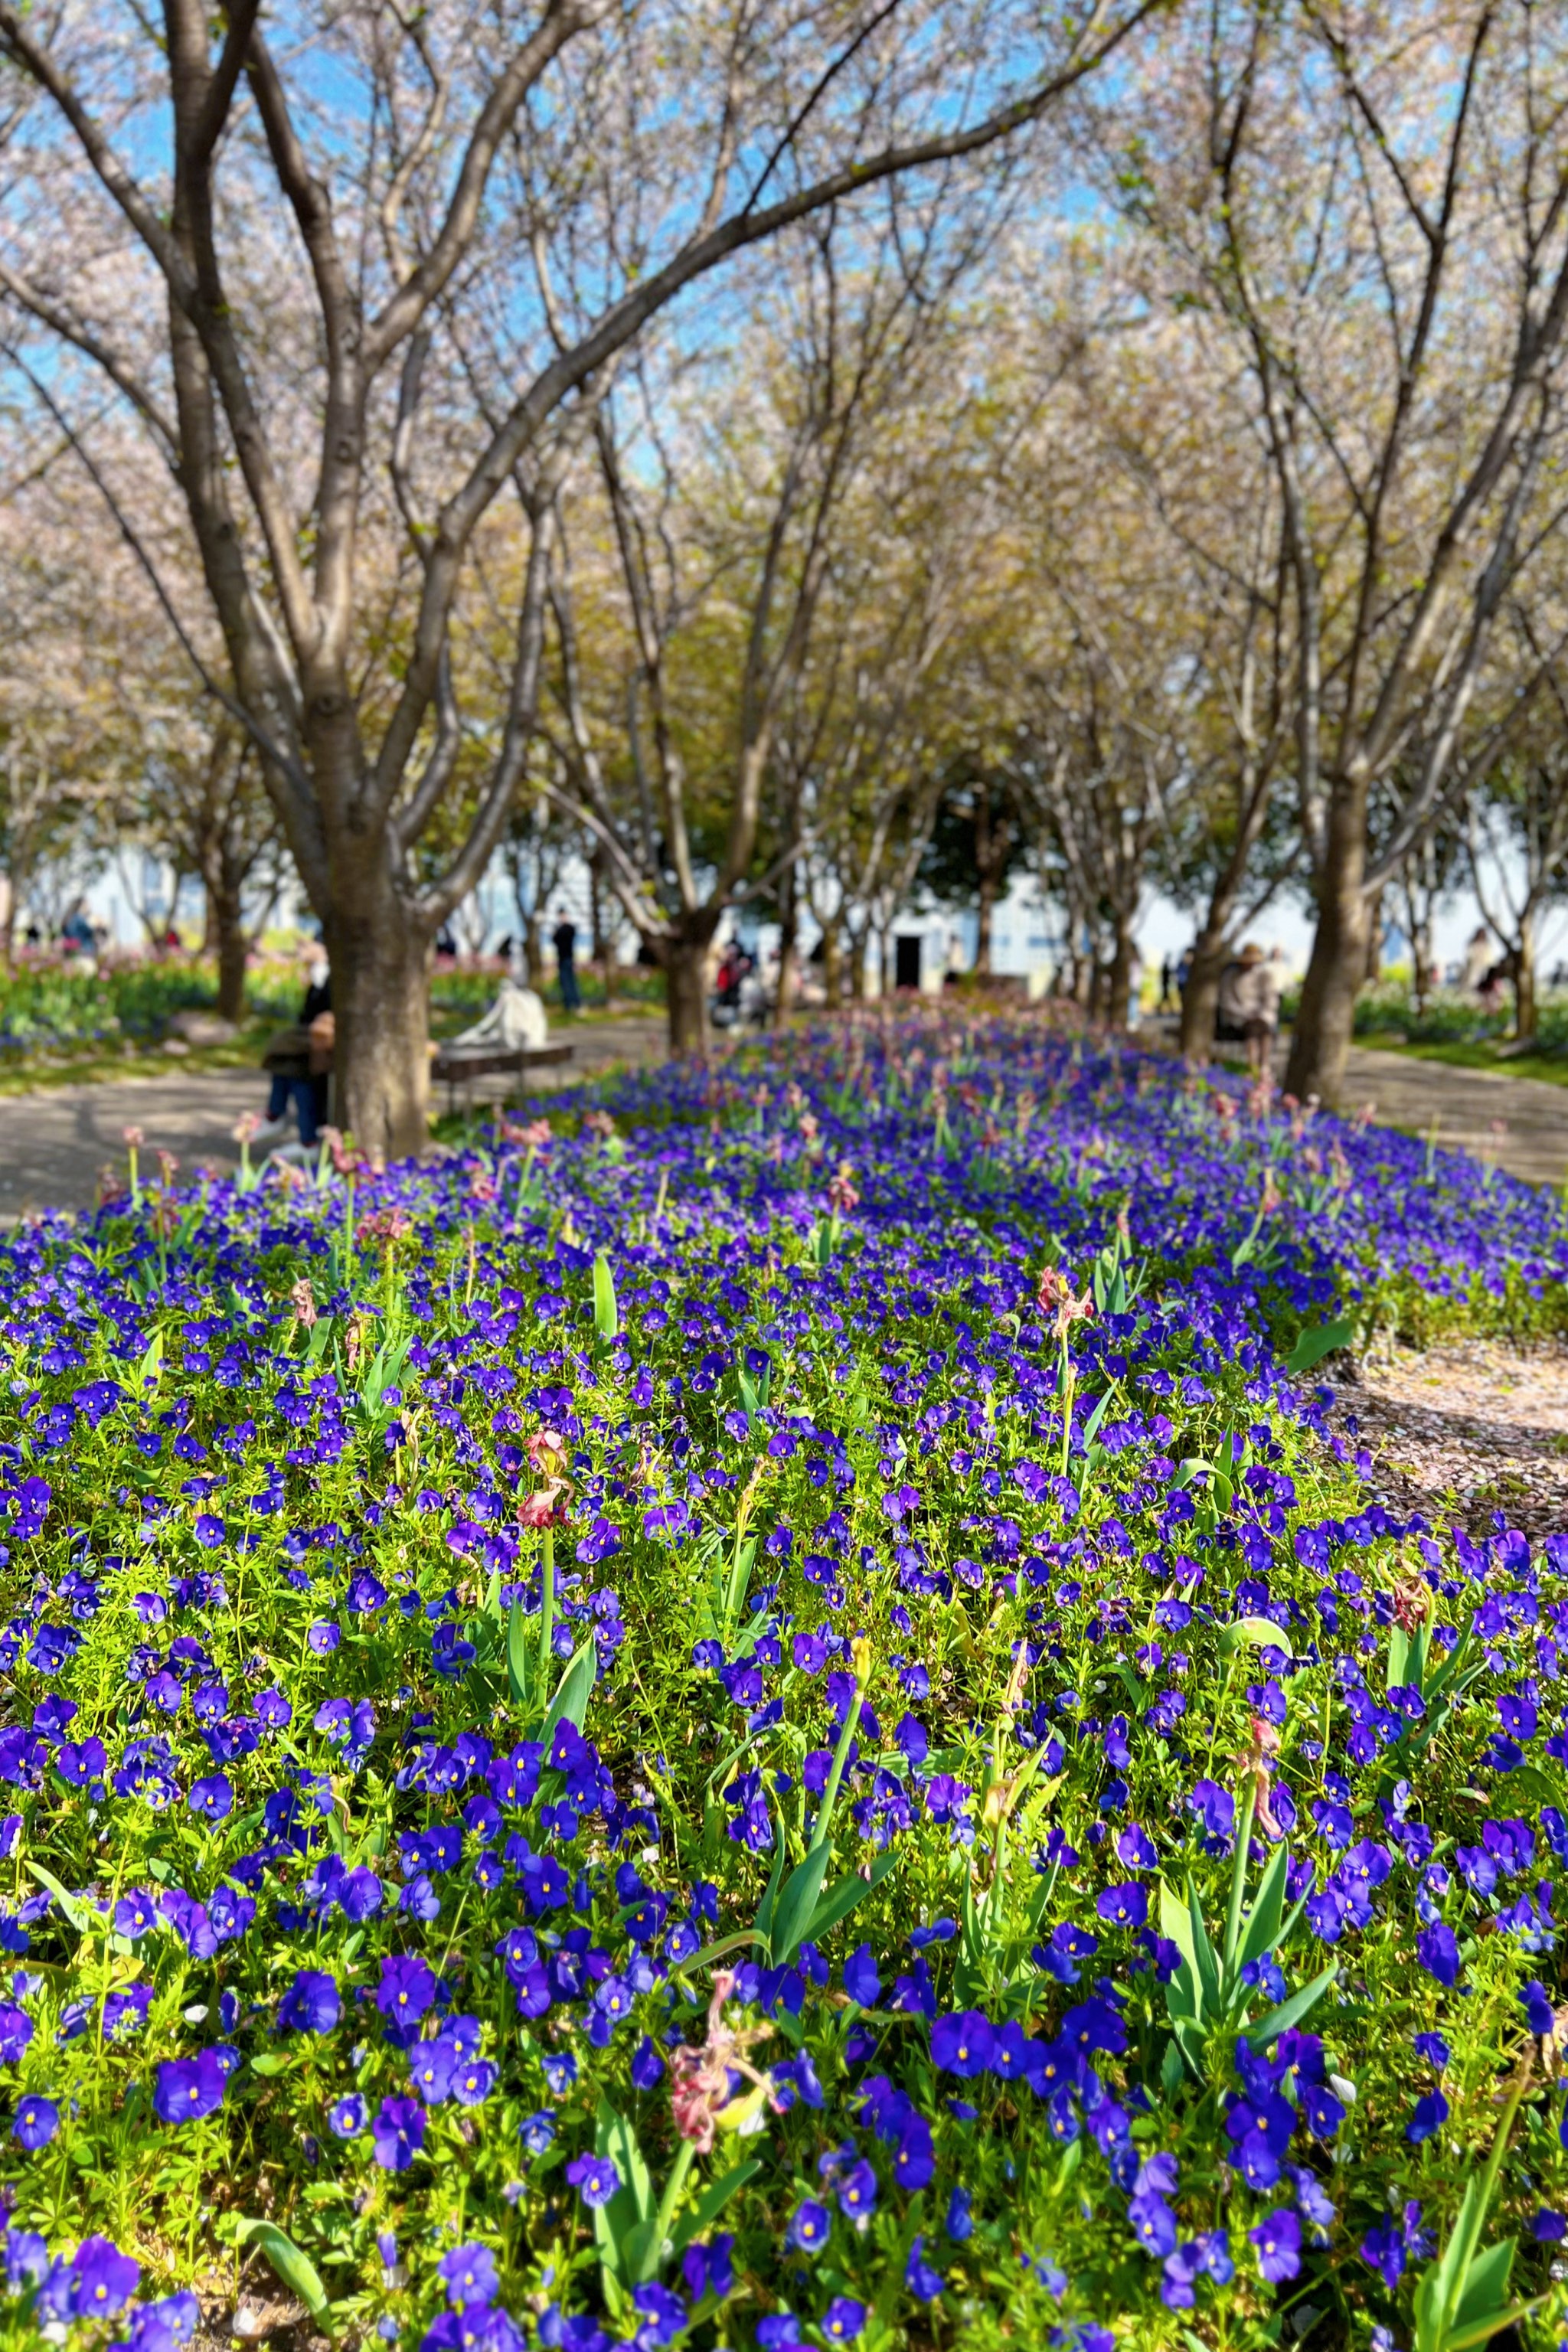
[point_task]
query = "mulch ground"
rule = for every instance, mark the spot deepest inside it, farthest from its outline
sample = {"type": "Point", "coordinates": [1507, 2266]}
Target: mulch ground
{"type": "Point", "coordinates": [1463, 1429]}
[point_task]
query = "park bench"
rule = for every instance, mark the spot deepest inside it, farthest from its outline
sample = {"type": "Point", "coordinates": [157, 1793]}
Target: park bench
{"type": "Point", "coordinates": [459, 1065]}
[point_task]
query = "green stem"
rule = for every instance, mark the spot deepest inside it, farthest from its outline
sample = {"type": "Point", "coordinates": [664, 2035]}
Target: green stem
{"type": "Point", "coordinates": [666, 2205]}
{"type": "Point", "coordinates": [1238, 1875]}
{"type": "Point", "coordinates": [546, 1608]}
{"type": "Point", "coordinates": [840, 1756]}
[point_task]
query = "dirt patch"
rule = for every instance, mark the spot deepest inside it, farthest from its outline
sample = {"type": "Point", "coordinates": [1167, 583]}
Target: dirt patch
{"type": "Point", "coordinates": [1463, 1429]}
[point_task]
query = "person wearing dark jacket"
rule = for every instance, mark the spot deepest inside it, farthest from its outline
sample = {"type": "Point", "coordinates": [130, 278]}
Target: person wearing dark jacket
{"type": "Point", "coordinates": [296, 1079]}
{"type": "Point", "coordinates": [563, 938]}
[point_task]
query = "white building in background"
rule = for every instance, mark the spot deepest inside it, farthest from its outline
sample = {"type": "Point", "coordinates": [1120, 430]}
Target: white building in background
{"type": "Point", "coordinates": [1027, 939]}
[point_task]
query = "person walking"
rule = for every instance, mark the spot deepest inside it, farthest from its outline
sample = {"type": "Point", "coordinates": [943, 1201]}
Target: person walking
{"type": "Point", "coordinates": [563, 938]}
{"type": "Point", "coordinates": [1238, 1006]}
{"type": "Point", "coordinates": [299, 1060]}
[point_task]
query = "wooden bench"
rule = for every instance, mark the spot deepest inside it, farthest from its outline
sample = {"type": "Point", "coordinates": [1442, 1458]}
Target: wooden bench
{"type": "Point", "coordinates": [459, 1065]}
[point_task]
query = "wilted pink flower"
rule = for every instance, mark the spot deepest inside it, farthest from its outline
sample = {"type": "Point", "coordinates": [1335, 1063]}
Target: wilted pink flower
{"type": "Point", "coordinates": [1256, 1763]}
{"type": "Point", "coordinates": [699, 2079]}
{"type": "Point", "coordinates": [1054, 1297]}
{"type": "Point", "coordinates": [842, 1194]}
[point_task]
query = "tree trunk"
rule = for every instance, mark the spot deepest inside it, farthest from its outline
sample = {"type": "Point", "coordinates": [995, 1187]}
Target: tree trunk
{"type": "Point", "coordinates": [685, 959]}
{"type": "Point", "coordinates": [832, 963]}
{"type": "Point", "coordinates": [7, 921]}
{"type": "Point", "coordinates": [1418, 923]}
{"type": "Point", "coordinates": [789, 947]}
{"type": "Point", "coordinates": [1199, 998]}
{"type": "Point", "coordinates": [985, 866]}
{"type": "Point", "coordinates": [232, 947]}
{"type": "Point", "coordinates": [1336, 969]}
{"type": "Point", "coordinates": [1119, 978]}
{"type": "Point", "coordinates": [1374, 941]}
{"type": "Point", "coordinates": [381, 982]}
{"type": "Point", "coordinates": [1525, 1011]}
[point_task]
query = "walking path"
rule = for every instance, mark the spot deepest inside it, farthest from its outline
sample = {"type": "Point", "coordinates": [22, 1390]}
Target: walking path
{"type": "Point", "coordinates": [53, 1144]}
{"type": "Point", "coordinates": [1520, 1124]}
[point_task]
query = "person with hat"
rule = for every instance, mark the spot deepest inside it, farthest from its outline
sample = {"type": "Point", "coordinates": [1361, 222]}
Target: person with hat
{"type": "Point", "coordinates": [1247, 1012]}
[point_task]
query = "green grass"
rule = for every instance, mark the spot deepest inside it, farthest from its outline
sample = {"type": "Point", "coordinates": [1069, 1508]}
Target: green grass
{"type": "Point", "coordinates": [1477, 1054]}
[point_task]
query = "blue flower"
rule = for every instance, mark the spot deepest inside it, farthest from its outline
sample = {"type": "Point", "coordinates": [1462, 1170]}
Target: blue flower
{"type": "Point", "coordinates": [310, 2005]}
{"type": "Point", "coordinates": [397, 2134]}
{"type": "Point", "coordinates": [810, 2227]}
{"type": "Point", "coordinates": [35, 2122]}
{"type": "Point", "coordinates": [1277, 2238]}
{"type": "Point", "coordinates": [861, 1981]}
{"type": "Point", "coordinates": [1431, 2114]}
{"type": "Point", "coordinates": [595, 2179]}
{"type": "Point", "coordinates": [212, 1797]}
{"type": "Point", "coordinates": [924, 2281]}
{"type": "Point", "coordinates": [961, 2043]}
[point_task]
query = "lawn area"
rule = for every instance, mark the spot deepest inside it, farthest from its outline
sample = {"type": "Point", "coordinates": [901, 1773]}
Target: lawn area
{"type": "Point", "coordinates": [760, 1712]}
{"type": "Point", "coordinates": [61, 1028]}
{"type": "Point", "coordinates": [1471, 1054]}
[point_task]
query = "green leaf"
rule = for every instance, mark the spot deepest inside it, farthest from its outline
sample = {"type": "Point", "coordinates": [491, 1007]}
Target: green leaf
{"type": "Point", "coordinates": [606, 1317]}
{"type": "Point", "coordinates": [1261, 1933]}
{"type": "Point", "coordinates": [570, 1704]}
{"type": "Point", "coordinates": [712, 2201]}
{"type": "Point", "coordinates": [1289, 2012]}
{"type": "Point", "coordinates": [1315, 1344]}
{"type": "Point", "coordinates": [149, 1369]}
{"type": "Point", "coordinates": [717, 1951]}
{"type": "Point", "coordinates": [82, 1918]}
{"type": "Point", "coordinates": [1206, 1959]}
{"type": "Point", "coordinates": [272, 2061]}
{"type": "Point", "coordinates": [616, 2225]}
{"type": "Point", "coordinates": [1177, 1923]}
{"type": "Point", "coordinates": [1092, 1426]}
{"type": "Point", "coordinates": [765, 1908]}
{"type": "Point", "coordinates": [517, 1649]}
{"type": "Point", "coordinates": [296, 2270]}
{"type": "Point", "coordinates": [1481, 2331]}
{"type": "Point", "coordinates": [1532, 1786]}
{"type": "Point", "coordinates": [1398, 1655]}
{"type": "Point", "coordinates": [1261, 1632]}
{"type": "Point", "coordinates": [1486, 2284]}
{"type": "Point", "coordinates": [840, 1900]}
{"type": "Point", "coordinates": [795, 1908]}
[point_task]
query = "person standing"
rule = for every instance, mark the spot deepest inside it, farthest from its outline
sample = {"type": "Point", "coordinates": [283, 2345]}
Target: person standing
{"type": "Point", "coordinates": [1266, 986]}
{"type": "Point", "coordinates": [563, 938]}
{"type": "Point", "coordinates": [1478, 961]}
{"type": "Point", "coordinates": [299, 1060]}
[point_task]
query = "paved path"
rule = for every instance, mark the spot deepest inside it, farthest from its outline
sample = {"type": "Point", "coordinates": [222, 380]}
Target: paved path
{"type": "Point", "coordinates": [54, 1143]}
{"type": "Point", "coordinates": [1522, 1124]}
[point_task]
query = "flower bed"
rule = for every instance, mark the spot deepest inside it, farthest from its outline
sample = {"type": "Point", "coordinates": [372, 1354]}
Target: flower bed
{"type": "Point", "coordinates": [766, 1718]}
